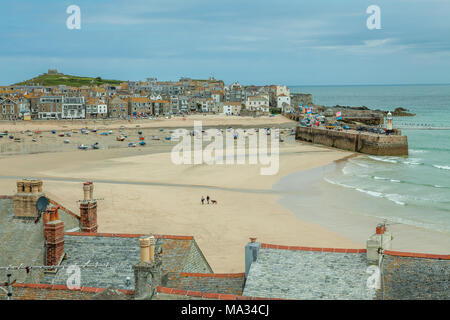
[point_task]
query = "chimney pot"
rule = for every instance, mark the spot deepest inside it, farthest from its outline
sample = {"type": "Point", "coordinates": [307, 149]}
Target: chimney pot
{"type": "Point", "coordinates": [86, 190]}
{"type": "Point", "coordinates": [144, 243]}
{"type": "Point", "coordinates": [152, 248]}
{"type": "Point", "coordinates": [91, 190]}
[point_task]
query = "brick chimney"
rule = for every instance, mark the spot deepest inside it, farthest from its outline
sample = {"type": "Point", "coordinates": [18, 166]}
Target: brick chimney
{"type": "Point", "coordinates": [88, 209]}
{"type": "Point", "coordinates": [54, 237]}
{"type": "Point", "coordinates": [28, 192]}
{"type": "Point", "coordinates": [148, 272]}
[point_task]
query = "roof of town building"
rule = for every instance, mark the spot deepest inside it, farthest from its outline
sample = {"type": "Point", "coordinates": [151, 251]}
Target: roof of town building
{"type": "Point", "coordinates": [308, 273]}
{"type": "Point", "coordinates": [121, 252]}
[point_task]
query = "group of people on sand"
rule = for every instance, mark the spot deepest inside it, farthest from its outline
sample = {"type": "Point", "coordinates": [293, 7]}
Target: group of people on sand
{"type": "Point", "coordinates": [207, 199]}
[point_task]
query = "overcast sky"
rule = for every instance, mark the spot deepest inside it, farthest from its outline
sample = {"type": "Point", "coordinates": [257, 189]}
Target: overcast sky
{"type": "Point", "coordinates": [289, 42]}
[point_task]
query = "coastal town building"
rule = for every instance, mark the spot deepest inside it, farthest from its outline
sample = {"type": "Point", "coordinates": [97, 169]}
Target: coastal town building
{"type": "Point", "coordinates": [139, 99]}
{"type": "Point", "coordinates": [73, 108]}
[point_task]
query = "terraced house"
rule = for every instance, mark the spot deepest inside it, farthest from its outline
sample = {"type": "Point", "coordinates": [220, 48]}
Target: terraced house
{"type": "Point", "coordinates": [117, 107]}
{"type": "Point", "coordinates": [50, 107]}
{"type": "Point", "coordinates": [139, 106]}
{"type": "Point", "coordinates": [73, 108]}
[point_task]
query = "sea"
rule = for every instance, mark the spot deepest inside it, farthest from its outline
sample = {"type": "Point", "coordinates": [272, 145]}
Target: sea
{"type": "Point", "coordinates": [413, 189]}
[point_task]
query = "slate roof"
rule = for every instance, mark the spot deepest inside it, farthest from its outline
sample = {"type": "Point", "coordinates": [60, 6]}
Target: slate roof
{"type": "Point", "coordinates": [121, 252]}
{"type": "Point", "coordinates": [22, 240]}
{"type": "Point", "coordinates": [213, 283]}
{"type": "Point", "coordinates": [300, 274]}
{"type": "Point", "coordinates": [415, 276]}
{"type": "Point", "coordinates": [60, 292]}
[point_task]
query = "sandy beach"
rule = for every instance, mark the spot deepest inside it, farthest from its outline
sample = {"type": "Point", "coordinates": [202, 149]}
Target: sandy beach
{"type": "Point", "coordinates": [142, 191]}
{"type": "Point", "coordinates": [173, 122]}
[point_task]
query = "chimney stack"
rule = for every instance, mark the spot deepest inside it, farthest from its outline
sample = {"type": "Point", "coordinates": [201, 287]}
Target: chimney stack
{"type": "Point", "coordinates": [251, 254]}
{"type": "Point", "coordinates": [54, 237]}
{"type": "Point", "coordinates": [88, 209]}
{"type": "Point", "coordinates": [28, 192]}
{"type": "Point", "coordinates": [381, 240]}
{"type": "Point", "coordinates": [148, 272]}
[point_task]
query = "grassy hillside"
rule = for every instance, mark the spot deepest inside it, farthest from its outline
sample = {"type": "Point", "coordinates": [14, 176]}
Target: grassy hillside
{"type": "Point", "coordinates": [68, 80]}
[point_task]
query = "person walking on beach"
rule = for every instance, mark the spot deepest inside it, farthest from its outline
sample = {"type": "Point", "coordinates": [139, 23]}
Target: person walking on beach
{"type": "Point", "coordinates": [207, 199]}
{"type": "Point", "coordinates": [203, 199]}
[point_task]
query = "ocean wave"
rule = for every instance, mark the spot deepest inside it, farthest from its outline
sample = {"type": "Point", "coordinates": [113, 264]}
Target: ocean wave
{"type": "Point", "coordinates": [371, 193]}
{"type": "Point", "coordinates": [417, 151]}
{"type": "Point", "coordinates": [395, 181]}
{"type": "Point", "coordinates": [413, 162]}
{"type": "Point", "coordinates": [441, 167]}
{"type": "Point", "coordinates": [379, 178]}
{"type": "Point", "coordinates": [390, 160]}
{"type": "Point", "coordinates": [358, 163]}
{"type": "Point", "coordinates": [338, 183]}
{"type": "Point", "coordinates": [396, 199]}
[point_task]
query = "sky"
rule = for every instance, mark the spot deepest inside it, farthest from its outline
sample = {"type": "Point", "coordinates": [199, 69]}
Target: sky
{"type": "Point", "coordinates": [288, 42]}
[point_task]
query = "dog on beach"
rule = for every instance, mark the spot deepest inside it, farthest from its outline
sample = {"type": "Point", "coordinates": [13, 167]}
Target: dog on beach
{"type": "Point", "coordinates": [213, 201]}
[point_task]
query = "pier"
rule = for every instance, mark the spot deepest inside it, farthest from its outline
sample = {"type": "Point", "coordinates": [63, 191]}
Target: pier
{"type": "Point", "coordinates": [352, 140]}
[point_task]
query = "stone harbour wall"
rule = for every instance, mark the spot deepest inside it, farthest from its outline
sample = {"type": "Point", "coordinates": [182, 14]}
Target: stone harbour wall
{"type": "Point", "coordinates": [374, 144]}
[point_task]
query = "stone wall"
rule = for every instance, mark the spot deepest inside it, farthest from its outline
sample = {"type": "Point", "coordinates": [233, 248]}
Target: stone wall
{"type": "Point", "coordinates": [415, 277]}
{"type": "Point", "coordinates": [382, 145]}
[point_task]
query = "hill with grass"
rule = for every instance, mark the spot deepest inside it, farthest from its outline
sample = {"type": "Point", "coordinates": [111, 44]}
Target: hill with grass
{"type": "Point", "coordinates": [68, 80]}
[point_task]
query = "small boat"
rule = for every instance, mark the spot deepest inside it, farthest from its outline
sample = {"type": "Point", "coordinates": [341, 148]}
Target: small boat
{"type": "Point", "coordinates": [4, 133]}
{"type": "Point", "coordinates": [74, 131]}
{"type": "Point", "coordinates": [132, 144]}
{"type": "Point", "coordinates": [69, 134]}
{"type": "Point", "coordinates": [155, 138]}
{"type": "Point", "coordinates": [139, 132]}
{"type": "Point", "coordinates": [95, 146]}
{"type": "Point", "coordinates": [141, 138]}
{"type": "Point", "coordinates": [29, 133]}
{"type": "Point", "coordinates": [61, 135]}
{"type": "Point", "coordinates": [38, 132]}
{"type": "Point", "coordinates": [82, 147]}
{"type": "Point", "coordinates": [66, 141]}
{"type": "Point", "coordinates": [104, 133]}
{"type": "Point", "coordinates": [142, 143]}
{"type": "Point", "coordinates": [168, 138]}
{"type": "Point", "coordinates": [34, 140]}
{"type": "Point", "coordinates": [120, 138]}
{"type": "Point", "coordinates": [11, 137]}
{"type": "Point", "coordinates": [17, 140]}
{"type": "Point", "coordinates": [110, 131]}
{"type": "Point", "coordinates": [161, 129]}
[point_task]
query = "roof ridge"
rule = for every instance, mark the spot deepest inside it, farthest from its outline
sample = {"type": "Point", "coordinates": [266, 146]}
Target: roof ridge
{"type": "Point", "coordinates": [417, 255]}
{"type": "Point", "coordinates": [317, 249]}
